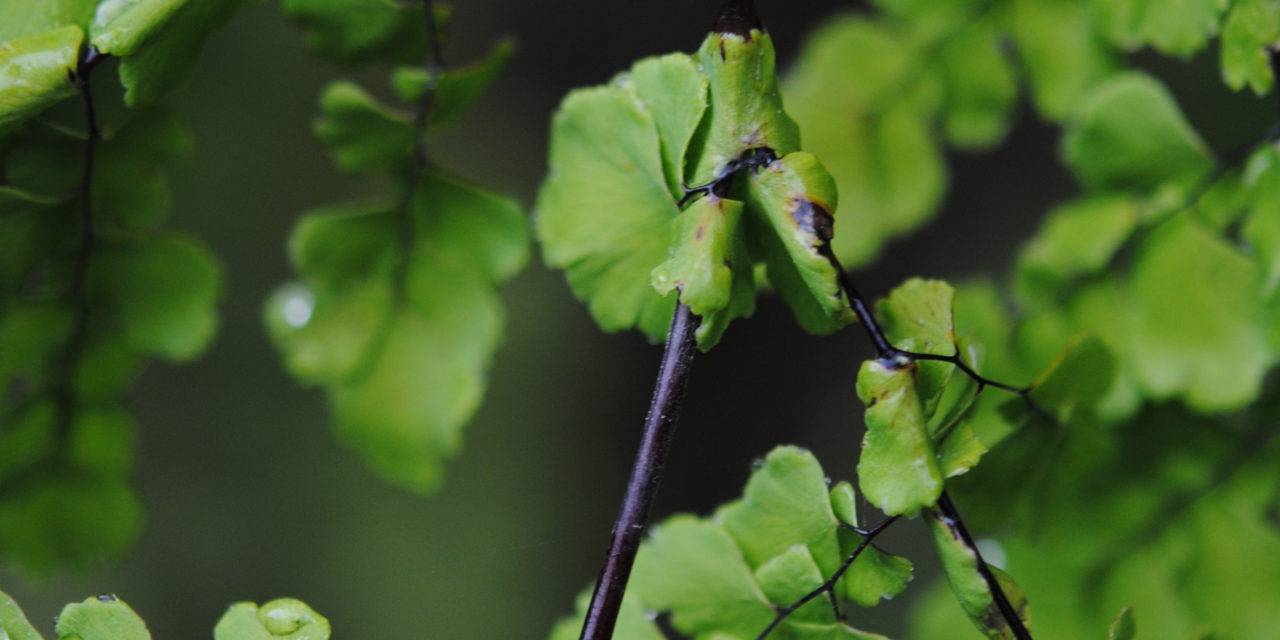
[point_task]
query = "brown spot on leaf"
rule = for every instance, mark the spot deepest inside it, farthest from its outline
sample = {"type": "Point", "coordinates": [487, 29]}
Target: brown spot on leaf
{"type": "Point", "coordinates": [814, 219]}
{"type": "Point", "coordinates": [697, 233]}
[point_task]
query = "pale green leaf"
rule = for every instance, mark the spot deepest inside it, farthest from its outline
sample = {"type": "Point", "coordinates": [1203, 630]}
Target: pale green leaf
{"type": "Point", "coordinates": [161, 293]}
{"type": "Point", "coordinates": [693, 569]}
{"type": "Point", "coordinates": [674, 91]}
{"type": "Point", "coordinates": [120, 26]}
{"type": "Point", "coordinates": [33, 73]}
{"type": "Point", "coordinates": [13, 622]}
{"type": "Point", "coordinates": [880, 148]}
{"type": "Point", "coordinates": [916, 317]}
{"type": "Point", "coordinates": [746, 107]}
{"type": "Point", "coordinates": [24, 17]}
{"type": "Point", "coordinates": [1199, 331]}
{"type": "Point", "coordinates": [1250, 28]}
{"type": "Point", "coordinates": [785, 503]}
{"type": "Point", "coordinates": [789, 576]}
{"type": "Point", "coordinates": [362, 133]}
{"type": "Point", "coordinates": [960, 563]}
{"type": "Point", "coordinates": [604, 212]}
{"type": "Point", "coordinates": [981, 87]}
{"type": "Point", "coordinates": [898, 470]}
{"type": "Point", "coordinates": [284, 618]}
{"type": "Point", "coordinates": [1063, 54]}
{"type": "Point", "coordinates": [701, 265]}
{"type": "Point", "coordinates": [461, 222]}
{"type": "Point", "coordinates": [1077, 239]}
{"type": "Point", "coordinates": [103, 617]}
{"type": "Point", "coordinates": [789, 204]}
{"type": "Point", "coordinates": [1076, 381]}
{"type": "Point", "coordinates": [844, 503]}
{"type": "Point", "coordinates": [1174, 27]}
{"type": "Point", "coordinates": [457, 88]}
{"type": "Point", "coordinates": [1262, 227]}
{"type": "Point", "coordinates": [1130, 135]}
{"type": "Point", "coordinates": [876, 576]}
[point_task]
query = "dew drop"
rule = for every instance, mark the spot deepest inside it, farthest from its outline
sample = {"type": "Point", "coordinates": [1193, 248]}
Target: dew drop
{"type": "Point", "coordinates": [106, 597]}
{"type": "Point", "coordinates": [280, 619]}
{"type": "Point", "coordinates": [757, 464]}
{"type": "Point", "coordinates": [294, 303]}
{"type": "Point", "coordinates": [827, 480]}
{"type": "Point", "coordinates": [651, 615]}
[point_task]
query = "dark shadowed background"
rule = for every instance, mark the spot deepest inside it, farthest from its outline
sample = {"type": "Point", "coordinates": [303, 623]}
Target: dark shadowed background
{"type": "Point", "coordinates": [249, 497]}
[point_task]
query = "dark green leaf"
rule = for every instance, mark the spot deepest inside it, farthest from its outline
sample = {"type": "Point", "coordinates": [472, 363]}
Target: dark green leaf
{"type": "Point", "coordinates": [362, 31]}
{"type": "Point", "coordinates": [1122, 628]}
{"type": "Point", "coordinates": [457, 88]}
{"type": "Point", "coordinates": [62, 519]}
{"type": "Point", "coordinates": [161, 293]}
{"type": "Point", "coordinates": [165, 58]}
{"type": "Point", "coordinates": [364, 134]}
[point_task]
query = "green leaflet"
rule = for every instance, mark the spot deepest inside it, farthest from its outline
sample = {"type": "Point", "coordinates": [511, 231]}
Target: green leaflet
{"type": "Point", "coordinates": [364, 31]}
{"type": "Point", "coordinates": [120, 26]}
{"type": "Point", "coordinates": [284, 618]}
{"type": "Point", "coordinates": [1063, 54]}
{"type": "Point", "coordinates": [1177, 28]}
{"type": "Point", "coordinates": [638, 141]}
{"type": "Point", "coordinates": [160, 294]}
{"type": "Point", "coordinates": [456, 89]}
{"type": "Point", "coordinates": [21, 18]}
{"type": "Point", "coordinates": [1123, 627]}
{"type": "Point", "coordinates": [796, 197]}
{"type": "Point", "coordinates": [1077, 239]}
{"type": "Point", "coordinates": [33, 73]}
{"type": "Point", "coordinates": [104, 617]}
{"type": "Point", "coordinates": [709, 243]}
{"type": "Point", "coordinates": [692, 568]}
{"type": "Point", "coordinates": [363, 134]}
{"type": "Point", "coordinates": [404, 370]}
{"type": "Point", "coordinates": [1129, 135]}
{"type": "Point", "coordinates": [13, 622]}
{"type": "Point", "coordinates": [722, 576]}
{"type": "Point", "coordinates": [880, 150]}
{"type": "Point", "coordinates": [1250, 27]}
{"type": "Point", "coordinates": [1198, 330]}
{"type": "Point", "coordinates": [605, 151]}
{"type": "Point", "coordinates": [165, 58]}
{"type": "Point", "coordinates": [745, 106]}
{"type": "Point", "coordinates": [981, 88]}
{"type": "Point", "coordinates": [786, 502]}
{"type": "Point", "coordinates": [898, 470]}
{"type": "Point", "coordinates": [1262, 226]}
{"type": "Point", "coordinates": [960, 563]}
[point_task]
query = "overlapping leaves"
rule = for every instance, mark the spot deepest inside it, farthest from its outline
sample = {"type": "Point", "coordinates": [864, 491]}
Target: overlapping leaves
{"type": "Point", "coordinates": [614, 215]}
{"type": "Point", "coordinates": [724, 576]}
{"type": "Point", "coordinates": [396, 314]}
{"type": "Point", "coordinates": [77, 320]}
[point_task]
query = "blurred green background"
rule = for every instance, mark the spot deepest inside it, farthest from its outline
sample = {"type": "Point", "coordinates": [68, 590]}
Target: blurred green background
{"type": "Point", "coordinates": [249, 497]}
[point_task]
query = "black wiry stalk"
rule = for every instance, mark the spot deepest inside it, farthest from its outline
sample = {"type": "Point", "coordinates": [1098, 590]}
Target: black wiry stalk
{"type": "Point", "coordinates": [646, 474]}
{"type": "Point", "coordinates": [885, 350]}
{"type": "Point", "coordinates": [828, 587]}
{"type": "Point", "coordinates": [1001, 600]}
{"type": "Point", "coordinates": [64, 394]}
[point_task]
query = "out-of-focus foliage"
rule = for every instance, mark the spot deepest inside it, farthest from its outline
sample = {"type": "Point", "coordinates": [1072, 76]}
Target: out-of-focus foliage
{"type": "Point", "coordinates": [396, 314]}
{"type": "Point", "coordinates": [91, 285]}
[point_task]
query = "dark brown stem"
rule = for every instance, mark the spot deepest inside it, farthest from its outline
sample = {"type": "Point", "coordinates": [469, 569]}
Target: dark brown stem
{"type": "Point", "coordinates": [646, 474]}
{"type": "Point", "coordinates": [956, 524]}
